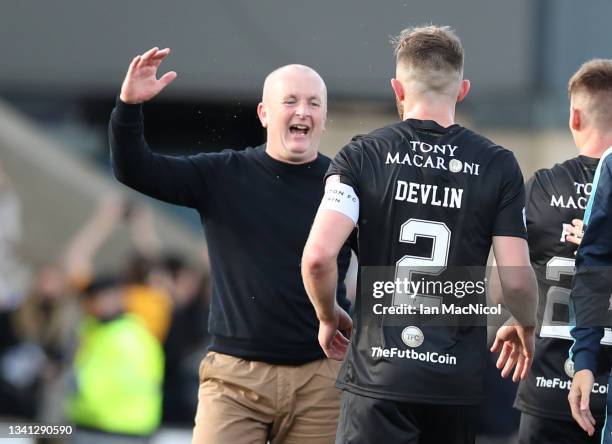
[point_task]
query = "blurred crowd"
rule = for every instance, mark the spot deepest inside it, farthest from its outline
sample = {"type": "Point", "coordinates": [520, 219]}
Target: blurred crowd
{"type": "Point", "coordinates": [108, 350]}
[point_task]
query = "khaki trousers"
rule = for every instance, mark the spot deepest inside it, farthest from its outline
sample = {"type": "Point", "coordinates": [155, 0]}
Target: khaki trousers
{"type": "Point", "coordinates": [244, 402]}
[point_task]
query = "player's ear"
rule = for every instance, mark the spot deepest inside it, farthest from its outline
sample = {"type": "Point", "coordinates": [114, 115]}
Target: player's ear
{"type": "Point", "coordinates": [398, 89]}
{"type": "Point", "coordinates": [262, 114]}
{"type": "Point", "coordinates": [575, 121]}
{"type": "Point", "coordinates": [464, 89]}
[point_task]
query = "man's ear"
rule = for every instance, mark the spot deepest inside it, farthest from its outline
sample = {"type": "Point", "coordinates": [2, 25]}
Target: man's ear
{"type": "Point", "coordinates": [464, 89]}
{"type": "Point", "coordinates": [576, 119]}
{"type": "Point", "coordinates": [324, 123]}
{"type": "Point", "coordinates": [262, 114]}
{"type": "Point", "coordinates": [398, 89]}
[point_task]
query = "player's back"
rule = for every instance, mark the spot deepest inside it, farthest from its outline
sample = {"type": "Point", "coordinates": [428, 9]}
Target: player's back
{"type": "Point", "coordinates": [431, 199]}
{"type": "Point", "coordinates": [419, 170]}
{"type": "Point", "coordinates": [555, 197]}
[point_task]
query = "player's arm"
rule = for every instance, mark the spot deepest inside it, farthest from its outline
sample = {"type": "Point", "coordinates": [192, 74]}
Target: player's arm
{"type": "Point", "coordinates": [494, 286]}
{"type": "Point", "coordinates": [172, 179]}
{"type": "Point", "coordinates": [519, 292]}
{"type": "Point", "coordinates": [510, 247]}
{"type": "Point", "coordinates": [519, 288]}
{"type": "Point", "coordinates": [333, 224]}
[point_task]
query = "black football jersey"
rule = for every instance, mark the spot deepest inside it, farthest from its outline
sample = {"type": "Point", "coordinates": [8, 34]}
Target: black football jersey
{"type": "Point", "coordinates": [431, 199]}
{"type": "Point", "coordinates": [555, 196]}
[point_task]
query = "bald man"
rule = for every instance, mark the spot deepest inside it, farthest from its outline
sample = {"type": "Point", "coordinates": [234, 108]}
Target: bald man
{"type": "Point", "coordinates": [265, 376]}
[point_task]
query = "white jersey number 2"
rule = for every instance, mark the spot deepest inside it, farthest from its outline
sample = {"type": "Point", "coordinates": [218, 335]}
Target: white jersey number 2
{"type": "Point", "coordinates": [432, 264]}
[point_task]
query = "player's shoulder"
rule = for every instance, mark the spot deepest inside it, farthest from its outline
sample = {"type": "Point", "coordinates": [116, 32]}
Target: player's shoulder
{"type": "Point", "coordinates": [559, 171]}
{"type": "Point", "coordinates": [495, 159]}
{"type": "Point", "coordinates": [354, 149]}
{"type": "Point", "coordinates": [485, 145]}
{"type": "Point", "coordinates": [561, 178]}
{"type": "Point", "coordinates": [476, 143]}
{"type": "Point", "coordinates": [380, 140]}
{"type": "Point", "coordinates": [388, 134]}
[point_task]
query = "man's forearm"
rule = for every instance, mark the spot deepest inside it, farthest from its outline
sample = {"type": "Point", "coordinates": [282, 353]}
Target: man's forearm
{"type": "Point", "coordinates": [329, 232]}
{"type": "Point", "coordinates": [520, 293]}
{"type": "Point", "coordinates": [320, 279]}
{"type": "Point", "coordinates": [494, 288]}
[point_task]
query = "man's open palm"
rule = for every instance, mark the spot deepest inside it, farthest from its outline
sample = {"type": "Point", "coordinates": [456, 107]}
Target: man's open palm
{"type": "Point", "coordinates": [141, 83]}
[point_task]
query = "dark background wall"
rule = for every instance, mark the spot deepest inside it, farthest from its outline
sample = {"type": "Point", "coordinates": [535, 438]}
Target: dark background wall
{"type": "Point", "coordinates": [224, 48]}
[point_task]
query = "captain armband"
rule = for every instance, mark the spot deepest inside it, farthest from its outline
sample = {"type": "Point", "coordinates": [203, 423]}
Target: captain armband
{"type": "Point", "coordinates": [342, 198]}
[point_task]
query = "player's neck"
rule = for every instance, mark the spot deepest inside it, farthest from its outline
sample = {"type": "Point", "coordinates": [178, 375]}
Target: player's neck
{"type": "Point", "coordinates": [443, 113]}
{"type": "Point", "coordinates": [595, 143]}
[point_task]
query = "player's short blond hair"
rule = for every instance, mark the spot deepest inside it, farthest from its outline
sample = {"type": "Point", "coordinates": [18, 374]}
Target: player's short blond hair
{"type": "Point", "coordinates": [433, 54]}
{"type": "Point", "coordinates": [592, 86]}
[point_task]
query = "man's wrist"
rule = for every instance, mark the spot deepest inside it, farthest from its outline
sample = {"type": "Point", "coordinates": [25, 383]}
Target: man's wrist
{"type": "Point", "coordinates": [127, 100]}
{"type": "Point", "coordinates": [327, 317]}
{"type": "Point", "coordinates": [127, 112]}
{"type": "Point", "coordinates": [512, 321]}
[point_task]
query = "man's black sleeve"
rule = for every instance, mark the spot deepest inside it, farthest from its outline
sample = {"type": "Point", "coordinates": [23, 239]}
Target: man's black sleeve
{"type": "Point", "coordinates": [511, 218]}
{"type": "Point", "coordinates": [177, 180]}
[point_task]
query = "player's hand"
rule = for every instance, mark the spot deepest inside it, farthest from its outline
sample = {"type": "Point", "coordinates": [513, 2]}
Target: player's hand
{"type": "Point", "coordinates": [334, 334]}
{"type": "Point", "coordinates": [515, 345]}
{"type": "Point", "coordinates": [578, 398]}
{"type": "Point", "coordinates": [141, 83]}
{"type": "Point", "coordinates": [575, 232]}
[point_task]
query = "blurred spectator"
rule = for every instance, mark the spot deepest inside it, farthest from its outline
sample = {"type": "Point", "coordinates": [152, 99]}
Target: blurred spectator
{"type": "Point", "coordinates": [48, 319]}
{"type": "Point", "coordinates": [118, 371]}
{"type": "Point", "coordinates": [187, 339]}
{"type": "Point", "coordinates": [19, 362]}
{"type": "Point", "coordinates": [41, 317]}
{"type": "Point", "coordinates": [13, 274]}
{"type": "Point", "coordinates": [153, 304]}
{"type": "Point", "coordinates": [20, 366]}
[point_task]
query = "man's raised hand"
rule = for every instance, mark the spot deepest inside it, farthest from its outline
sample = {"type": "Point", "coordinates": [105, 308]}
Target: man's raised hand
{"type": "Point", "coordinates": [141, 82]}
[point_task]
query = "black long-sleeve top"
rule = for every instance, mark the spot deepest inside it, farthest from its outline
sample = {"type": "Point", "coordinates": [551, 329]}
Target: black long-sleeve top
{"type": "Point", "coordinates": [257, 213]}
